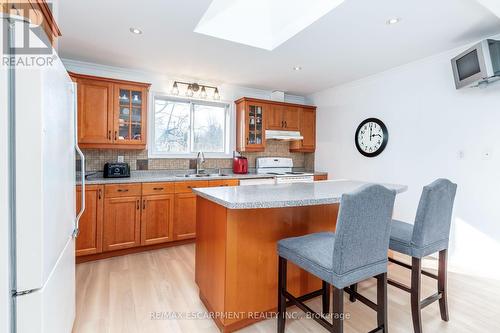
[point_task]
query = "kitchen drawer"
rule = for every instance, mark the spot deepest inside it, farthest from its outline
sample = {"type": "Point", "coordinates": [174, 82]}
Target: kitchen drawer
{"type": "Point", "coordinates": [158, 188]}
{"type": "Point", "coordinates": [223, 182]}
{"type": "Point", "coordinates": [122, 190]}
{"type": "Point", "coordinates": [185, 187]}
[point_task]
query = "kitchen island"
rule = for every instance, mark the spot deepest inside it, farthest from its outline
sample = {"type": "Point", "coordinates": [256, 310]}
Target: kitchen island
{"type": "Point", "coordinates": [237, 230]}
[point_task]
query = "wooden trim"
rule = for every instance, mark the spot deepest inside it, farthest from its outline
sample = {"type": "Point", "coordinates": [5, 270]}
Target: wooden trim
{"type": "Point", "coordinates": [122, 252]}
{"type": "Point", "coordinates": [49, 18]}
{"type": "Point", "coordinates": [112, 146]}
{"type": "Point", "coordinates": [270, 102]}
{"type": "Point", "coordinates": [107, 79]}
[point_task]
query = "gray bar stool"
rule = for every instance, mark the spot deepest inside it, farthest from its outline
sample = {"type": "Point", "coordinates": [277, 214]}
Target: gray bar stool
{"type": "Point", "coordinates": [429, 234]}
{"type": "Point", "coordinates": [355, 252]}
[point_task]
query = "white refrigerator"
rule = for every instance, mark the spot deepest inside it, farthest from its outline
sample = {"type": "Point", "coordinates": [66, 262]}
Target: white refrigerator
{"type": "Point", "coordinates": [41, 134]}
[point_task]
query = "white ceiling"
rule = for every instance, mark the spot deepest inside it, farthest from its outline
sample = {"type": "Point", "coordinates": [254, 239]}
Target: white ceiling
{"type": "Point", "coordinates": [349, 43]}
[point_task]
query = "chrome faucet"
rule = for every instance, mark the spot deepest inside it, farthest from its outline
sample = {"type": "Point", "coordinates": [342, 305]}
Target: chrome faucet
{"type": "Point", "coordinates": [200, 160]}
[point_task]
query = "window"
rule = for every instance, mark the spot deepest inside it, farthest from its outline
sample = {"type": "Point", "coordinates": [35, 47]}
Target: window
{"type": "Point", "coordinates": [181, 128]}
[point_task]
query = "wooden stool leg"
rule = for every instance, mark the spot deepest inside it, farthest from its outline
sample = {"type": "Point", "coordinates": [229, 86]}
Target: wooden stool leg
{"type": "Point", "coordinates": [442, 284]}
{"type": "Point", "coordinates": [353, 287]}
{"type": "Point", "coordinates": [338, 310]}
{"type": "Point", "coordinates": [326, 298]}
{"type": "Point", "coordinates": [416, 274]}
{"type": "Point", "coordinates": [382, 302]}
{"type": "Point", "coordinates": [282, 265]}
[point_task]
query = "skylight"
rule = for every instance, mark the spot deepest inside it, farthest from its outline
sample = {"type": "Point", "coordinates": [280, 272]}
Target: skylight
{"type": "Point", "coordinates": [264, 24]}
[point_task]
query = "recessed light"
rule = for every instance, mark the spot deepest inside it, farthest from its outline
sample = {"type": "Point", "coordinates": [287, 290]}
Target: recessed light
{"type": "Point", "coordinates": [297, 68]}
{"type": "Point", "coordinates": [394, 20]}
{"type": "Point", "coordinates": [136, 31]}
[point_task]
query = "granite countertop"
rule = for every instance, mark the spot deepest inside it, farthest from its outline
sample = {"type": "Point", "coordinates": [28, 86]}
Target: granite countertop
{"type": "Point", "coordinates": [150, 176]}
{"type": "Point", "coordinates": [284, 195]}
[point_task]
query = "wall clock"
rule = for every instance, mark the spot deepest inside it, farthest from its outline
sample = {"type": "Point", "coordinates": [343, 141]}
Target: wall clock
{"type": "Point", "coordinates": [371, 137]}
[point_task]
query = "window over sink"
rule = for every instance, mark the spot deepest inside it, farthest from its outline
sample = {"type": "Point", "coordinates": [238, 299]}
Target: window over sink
{"type": "Point", "coordinates": [182, 127]}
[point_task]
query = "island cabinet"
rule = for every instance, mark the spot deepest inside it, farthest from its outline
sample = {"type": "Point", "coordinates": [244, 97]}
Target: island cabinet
{"type": "Point", "coordinates": [89, 240]}
{"type": "Point", "coordinates": [111, 113]}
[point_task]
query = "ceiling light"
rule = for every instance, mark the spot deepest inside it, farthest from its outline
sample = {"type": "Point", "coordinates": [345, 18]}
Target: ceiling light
{"type": "Point", "coordinates": [136, 31]}
{"type": "Point", "coordinates": [175, 89]}
{"type": "Point", "coordinates": [203, 93]}
{"type": "Point", "coordinates": [297, 68]}
{"type": "Point", "coordinates": [200, 90]}
{"type": "Point", "coordinates": [393, 20]}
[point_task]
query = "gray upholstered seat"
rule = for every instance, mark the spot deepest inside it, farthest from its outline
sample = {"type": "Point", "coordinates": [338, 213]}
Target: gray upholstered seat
{"type": "Point", "coordinates": [431, 231]}
{"type": "Point", "coordinates": [358, 249]}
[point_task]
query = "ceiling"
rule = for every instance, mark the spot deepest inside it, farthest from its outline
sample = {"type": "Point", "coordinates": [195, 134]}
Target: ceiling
{"type": "Point", "coordinates": [348, 43]}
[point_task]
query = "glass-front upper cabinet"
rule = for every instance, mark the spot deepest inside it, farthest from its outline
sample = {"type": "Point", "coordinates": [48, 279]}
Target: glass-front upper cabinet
{"type": "Point", "coordinates": [250, 125]}
{"type": "Point", "coordinates": [130, 114]}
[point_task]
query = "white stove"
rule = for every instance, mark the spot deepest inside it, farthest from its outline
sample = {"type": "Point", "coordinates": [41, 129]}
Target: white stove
{"type": "Point", "coordinates": [282, 169]}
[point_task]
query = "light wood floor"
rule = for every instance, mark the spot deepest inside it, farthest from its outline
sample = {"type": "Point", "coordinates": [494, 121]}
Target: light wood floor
{"type": "Point", "coordinates": [118, 295]}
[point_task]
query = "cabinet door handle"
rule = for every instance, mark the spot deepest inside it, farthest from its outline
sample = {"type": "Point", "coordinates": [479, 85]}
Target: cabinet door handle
{"type": "Point", "coordinates": [286, 125]}
{"type": "Point", "coordinates": [143, 204]}
{"type": "Point", "coordinates": [122, 190]}
{"type": "Point", "coordinates": [282, 123]}
{"type": "Point", "coordinates": [158, 188]}
{"type": "Point", "coordinates": [109, 135]}
{"type": "Point", "coordinates": [116, 135]}
{"type": "Point", "coordinates": [189, 186]}
{"type": "Point", "coordinates": [99, 192]}
{"type": "Point", "coordinates": [138, 205]}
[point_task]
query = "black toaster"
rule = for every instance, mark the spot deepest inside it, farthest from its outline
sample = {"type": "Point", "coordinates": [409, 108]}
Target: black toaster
{"type": "Point", "coordinates": [116, 170]}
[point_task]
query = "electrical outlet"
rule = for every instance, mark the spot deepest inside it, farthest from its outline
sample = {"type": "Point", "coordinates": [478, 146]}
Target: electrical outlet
{"type": "Point", "coordinates": [121, 159]}
{"type": "Point", "coordinates": [461, 155]}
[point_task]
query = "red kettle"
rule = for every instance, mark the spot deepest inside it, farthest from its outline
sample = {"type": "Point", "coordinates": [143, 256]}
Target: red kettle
{"type": "Point", "coordinates": [240, 164]}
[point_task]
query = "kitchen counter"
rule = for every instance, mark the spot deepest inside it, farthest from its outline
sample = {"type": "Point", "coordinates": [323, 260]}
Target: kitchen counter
{"type": "Point", "coordinates": [284, 195]}
{"type": "Point", "coordinates": [237, 229]}
{"type": "Point", "coordinates": [153, 176]}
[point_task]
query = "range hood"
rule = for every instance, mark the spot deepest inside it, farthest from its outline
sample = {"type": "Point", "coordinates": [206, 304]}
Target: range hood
{"type": "Point", "coordinates": [283, 135]}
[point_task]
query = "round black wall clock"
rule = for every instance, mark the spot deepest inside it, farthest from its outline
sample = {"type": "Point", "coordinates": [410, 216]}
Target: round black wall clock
{"type": "Point", "coordinates": [371, 137]}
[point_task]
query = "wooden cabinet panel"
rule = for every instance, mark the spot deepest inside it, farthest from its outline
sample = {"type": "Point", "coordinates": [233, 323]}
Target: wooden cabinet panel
{"type": "Point", "coordinates": [122, 223]}
{"type": "Point", "coordinates": [275, 117]}
{"type": "Point", "coordinates": [185, 216]}
{"type": "Point", "coordinates": [157, 219]}
{"type": "Point", "coordinates": [250, 125]}
{"type": "Point", "coordinates": [223, 182]}
{"type": "Point", "coordinates": [185, 187]}
{"type": "Point", "coordinates": [89, 240]}
{"type": "Point", "coordinates": [157, 188]}
{"type": "Point", "coordinates": [95, 124]}
{"type": "Point", "coordinates": [308, 131]}
{"type": "Point", "coordinates": [122, 190]}
{"type": "Point", "coordinates": [291, 116]}
{"type": "Point", "coordinates": [111, 113]}
{"type": "Point", "coordinates": [320, 177]}
{"type": "Point", "coordinates": [129, 115]}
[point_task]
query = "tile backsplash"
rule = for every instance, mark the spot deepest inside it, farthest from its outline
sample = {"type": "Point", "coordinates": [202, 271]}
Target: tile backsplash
{"type": "Point", "coordinates": [138, 159]}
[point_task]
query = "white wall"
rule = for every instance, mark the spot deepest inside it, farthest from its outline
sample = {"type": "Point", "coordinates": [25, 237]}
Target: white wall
{"type": "Point", "coordinates": [430, 123]}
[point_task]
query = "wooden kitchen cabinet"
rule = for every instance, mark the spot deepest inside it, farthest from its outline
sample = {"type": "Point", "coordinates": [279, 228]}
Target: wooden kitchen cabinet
{"type": "Point", "coordinates": [111, 113]}
{"type": "Point", "coordinates": [320, 177]}
{"type": "Point", "coordinates": [185, 209]}
{"type": "Point", "coordinates": [122, 223]}
{"type": "Point", "coordinates": [250, 125]}
{"type": "Point", "coordinates": [282, 117]}
{"type": "Point", "coordinates": [307, 130]}
{"type": "Point", "coordinates": [95, 123]}
{"type": "Point", "coordinates": [157, 219]}
{"type": "Point", "coordinates": [89, 240]}
{"type": "Point", "coordinates": [223, 182]}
